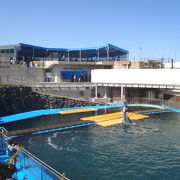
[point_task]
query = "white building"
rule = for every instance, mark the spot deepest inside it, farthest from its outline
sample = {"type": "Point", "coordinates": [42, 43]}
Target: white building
{"type": "Point", "coordinates": [129, 83]}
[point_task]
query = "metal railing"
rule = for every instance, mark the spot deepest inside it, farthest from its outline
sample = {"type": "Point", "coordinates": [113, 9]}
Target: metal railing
{"type": "Point", "coordinates": [38, 169]}
{"type": "Point", "coordinates": [162, 102]}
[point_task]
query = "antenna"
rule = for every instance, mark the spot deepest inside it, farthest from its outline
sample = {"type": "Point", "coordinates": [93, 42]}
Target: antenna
{"type": "Point", "coordinates": [140, 48]}
{"type": "Point", "coordinates": [174, 56]}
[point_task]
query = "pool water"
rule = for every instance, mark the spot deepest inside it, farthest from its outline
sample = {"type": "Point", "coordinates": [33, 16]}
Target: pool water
{"type": "Point", "coordinates": [148, 150]}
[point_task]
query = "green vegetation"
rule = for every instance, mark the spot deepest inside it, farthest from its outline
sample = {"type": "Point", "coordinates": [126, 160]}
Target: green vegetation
{"type": "Point", "coordinates": [10, 85]}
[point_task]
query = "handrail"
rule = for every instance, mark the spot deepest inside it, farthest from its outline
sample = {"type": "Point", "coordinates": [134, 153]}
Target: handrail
{"type": "Point", "coordinates": [45, 165]}
{"type": "Point", "coordinates": [141, 85]}
{"type": "Point", "coordinates": [163, 102]}
{"type": "Point", "coordinates": [50, 169]}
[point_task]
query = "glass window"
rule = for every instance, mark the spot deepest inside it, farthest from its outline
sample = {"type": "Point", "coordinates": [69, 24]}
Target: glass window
{"type": "Point", "coordinates": [11, 50]}
{"type": "Point", "coordinates": [2, 50]}
{"type": "Point", "coordinates": [7, 50]}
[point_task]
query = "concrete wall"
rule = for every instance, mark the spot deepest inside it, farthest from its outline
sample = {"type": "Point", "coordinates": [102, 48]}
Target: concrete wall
{"type": "Point", "coordinates": [149, 64]}
{"type": "Point", "coordinates": [75, 92]}
{"type": "Point", "coordinates": [15, 72]}
{"type": "Point", "coordinates": [139, 76]}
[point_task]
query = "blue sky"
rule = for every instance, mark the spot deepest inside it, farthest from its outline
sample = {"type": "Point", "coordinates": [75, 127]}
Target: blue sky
{"type": "Point", "coordinates": [150, 27]}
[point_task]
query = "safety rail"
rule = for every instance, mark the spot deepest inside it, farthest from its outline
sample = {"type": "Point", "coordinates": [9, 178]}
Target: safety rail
{"type": "Point", "coordinates": [138, 85]}
{"type": "Point", "coordinates": [38, 169]}
{"type": "Point", "coordinates": [162, 102]}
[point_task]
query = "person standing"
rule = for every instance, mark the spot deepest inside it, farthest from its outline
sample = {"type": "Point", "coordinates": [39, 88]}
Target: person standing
{"type": "Point", "coordinates": [124, 114]}
{"type": "Point", "coordinates": [125, 118]}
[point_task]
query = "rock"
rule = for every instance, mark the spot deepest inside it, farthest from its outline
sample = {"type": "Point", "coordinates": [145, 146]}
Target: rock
{"type": "Point", "coordinates": [17, 99]}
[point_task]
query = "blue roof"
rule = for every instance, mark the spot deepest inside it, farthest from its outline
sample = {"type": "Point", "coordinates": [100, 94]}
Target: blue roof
{"type": "Point", "coordinates": [112, 48]}
{"type": "Point", "coordinates": [39, 47]}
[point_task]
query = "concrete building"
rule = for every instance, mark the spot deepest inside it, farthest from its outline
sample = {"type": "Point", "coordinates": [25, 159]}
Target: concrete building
{"type": "Point", "coordinates": [60, 64]}
{"type": "Point", "coordinates": [123, 84]}
{"type": "Point", "coordinates": [25, 62]}
{"type": "Point", "coordinates": [39, 64]}
{"type": "Point", "coordinates": [114, 77]}
{"type": "Point", "coordinates": [28, 53]}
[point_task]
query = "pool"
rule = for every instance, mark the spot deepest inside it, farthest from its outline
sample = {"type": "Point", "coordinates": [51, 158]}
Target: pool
{"type": "Point", "coordinates": [148, 150]}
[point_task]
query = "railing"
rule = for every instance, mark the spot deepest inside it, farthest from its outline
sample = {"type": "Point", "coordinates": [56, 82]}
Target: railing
{"type": "Point", "coordinates": [161, 102]}
{"type": "Point", "coordinates": [3, 141]}
{"type": "Point", "coordinates": [38, 169]}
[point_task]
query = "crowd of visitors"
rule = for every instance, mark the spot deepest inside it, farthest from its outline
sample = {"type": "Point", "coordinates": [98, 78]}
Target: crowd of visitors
{"type": "Point", "coordinates": [81, 78]}
{"type": "Point", "coordinates": [29, 62]}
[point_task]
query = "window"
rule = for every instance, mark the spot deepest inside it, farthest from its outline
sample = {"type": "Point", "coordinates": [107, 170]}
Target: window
{"type": "Point", "coordinates": [11, 51]}
{"type": "Point", "coordinates": [2, 50]}
{"type": "Point", "coordinates": [7, 50]}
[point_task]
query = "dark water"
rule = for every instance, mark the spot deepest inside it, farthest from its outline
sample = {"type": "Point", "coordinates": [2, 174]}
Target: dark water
{"type": "Point", "coordinates": [148, 150]}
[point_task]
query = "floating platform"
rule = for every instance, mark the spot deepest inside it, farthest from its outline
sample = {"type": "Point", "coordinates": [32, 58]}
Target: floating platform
{"type": "Point", "coordinates": [44, 129]}
{"type": "Point", "coordinates": [113, 118]}
{"type": "Point", "coordinates": [101, 120]}
{"type": "Point", "coordinates": [77, 111]}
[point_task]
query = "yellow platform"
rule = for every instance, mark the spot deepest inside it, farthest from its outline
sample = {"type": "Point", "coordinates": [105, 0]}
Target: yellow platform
{"type": "Point", "coordinates": [113, 118]}
{"type": "Point", "coordinates": [77, 111]}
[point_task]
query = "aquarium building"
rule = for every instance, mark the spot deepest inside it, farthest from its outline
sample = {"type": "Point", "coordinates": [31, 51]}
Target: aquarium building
{"type": "Point", "coordinates": [26, 52]}
{"type": "Point", "coordinates": [60, 64]}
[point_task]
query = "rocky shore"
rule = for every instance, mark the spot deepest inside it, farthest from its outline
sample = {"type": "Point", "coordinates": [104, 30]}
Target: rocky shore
{"type": "Point", "coordinates": [16, 99]}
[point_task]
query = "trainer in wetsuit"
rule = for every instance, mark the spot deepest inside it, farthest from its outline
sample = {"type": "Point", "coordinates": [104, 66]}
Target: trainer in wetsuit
{"type": "Point", "coordinates": [125, 118]}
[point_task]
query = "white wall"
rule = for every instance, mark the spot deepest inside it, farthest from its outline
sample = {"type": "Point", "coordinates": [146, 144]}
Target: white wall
{"type": "Point", "coordinates": [139, 76]}
{"type": "Point", "coordinates": [175, 65]}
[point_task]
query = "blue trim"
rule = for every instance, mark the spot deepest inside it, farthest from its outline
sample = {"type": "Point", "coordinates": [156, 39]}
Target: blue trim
{"type": "Point", "coordinates": [31, 114]}
{"type": "Point", "coordinates": [22, 173]}
{"type": "Point", "coordinates": [11, 137]}
{"type": "Point", "coordinates": [59, 129]}
{"type": "Point", "coordinates": [156, 112]}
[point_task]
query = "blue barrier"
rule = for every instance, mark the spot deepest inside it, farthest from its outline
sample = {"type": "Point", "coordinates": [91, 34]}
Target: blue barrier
{"type": "Point", "coordinates": [28, 166]}
{"type": "Point", "coordinates": [34, 168]}
{"type": "Point", "coordinates": [31, 114]}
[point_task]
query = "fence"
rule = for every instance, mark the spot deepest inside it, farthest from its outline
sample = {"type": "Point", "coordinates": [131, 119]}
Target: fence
{"type": "Point", "coordinates": [38, 169]}
{"type": "Point", "coordinates": [161, 102]}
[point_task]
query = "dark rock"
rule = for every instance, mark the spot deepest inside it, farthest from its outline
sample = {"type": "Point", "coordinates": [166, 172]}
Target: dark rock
{"type": "Point", "coordinates": [15, 99]}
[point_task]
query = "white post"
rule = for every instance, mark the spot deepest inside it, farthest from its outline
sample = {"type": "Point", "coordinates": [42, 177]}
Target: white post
{"type": "Point", "coordinates": [96, 91]}
{"type": "Point", "coordinates": [122, 92]}
{"type": "Point", "coordinates": [105, 92]}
